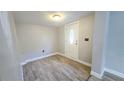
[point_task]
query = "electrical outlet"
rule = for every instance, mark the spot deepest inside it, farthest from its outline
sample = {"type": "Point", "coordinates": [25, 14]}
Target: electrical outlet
{"type": "Point", "coordinates": [43, 51]}
{"type": "Point", "coordinates": [86, 39]}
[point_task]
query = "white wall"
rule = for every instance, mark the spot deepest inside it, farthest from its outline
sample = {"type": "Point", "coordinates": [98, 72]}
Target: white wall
{"type": "Point", "coordinates": [115, 43]}
{"type": "Point", "coordinates": [85, 30]}
{"type": "Point", "coordinates": [34, 38]}
{"type": "Point", "coordinates": [9, 62]}
{"type": "Point", "coordinates": [99, 41]}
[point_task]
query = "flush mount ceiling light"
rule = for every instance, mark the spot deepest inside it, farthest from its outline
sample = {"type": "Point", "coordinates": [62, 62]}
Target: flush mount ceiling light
{"type": "Point", "coordinates": [56, 17]}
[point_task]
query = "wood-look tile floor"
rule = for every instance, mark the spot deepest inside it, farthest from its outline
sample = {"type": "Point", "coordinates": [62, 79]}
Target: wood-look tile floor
{"type": "Point", "coordinates": [55, 68]}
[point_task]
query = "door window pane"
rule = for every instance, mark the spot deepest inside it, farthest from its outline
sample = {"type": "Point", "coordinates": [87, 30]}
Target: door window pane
{"type": "Point", "coordinates": [71, 36]}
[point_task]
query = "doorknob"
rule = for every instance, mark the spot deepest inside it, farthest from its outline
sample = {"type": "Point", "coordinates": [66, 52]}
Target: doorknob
{"type": "Point", "coordinates": [76, 42]}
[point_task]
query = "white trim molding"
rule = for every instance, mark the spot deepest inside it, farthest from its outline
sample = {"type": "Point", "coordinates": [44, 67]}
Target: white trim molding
{"type": "Point", "coordinates": [21, 71]}
{"type": "Point", "coordinates": [77, 60]}
{"type": "Point", "coordinates": [114, 72]}
{"type": "Point", "coordinates": [30, 60]}
{"type": "Point", "coordinates": [96, 74]}
{"type": "Point", "coordinates": [37, 58]}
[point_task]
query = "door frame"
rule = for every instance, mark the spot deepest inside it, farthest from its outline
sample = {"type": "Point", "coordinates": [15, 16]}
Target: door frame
{"type": "Point", "coordinates": [77, 38]}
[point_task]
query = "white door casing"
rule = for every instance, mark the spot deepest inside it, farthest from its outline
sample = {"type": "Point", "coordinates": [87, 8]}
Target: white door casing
{"type": "Point", "coordinates": [71, 39]}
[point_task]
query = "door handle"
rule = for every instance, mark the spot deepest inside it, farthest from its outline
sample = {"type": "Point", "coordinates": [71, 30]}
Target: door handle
{"type": "Point", "coordinates": [76, 42]}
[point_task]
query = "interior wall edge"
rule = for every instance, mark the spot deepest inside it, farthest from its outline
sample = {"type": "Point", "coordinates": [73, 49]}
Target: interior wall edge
{"type": "Point", "coordinates": [96, 74]}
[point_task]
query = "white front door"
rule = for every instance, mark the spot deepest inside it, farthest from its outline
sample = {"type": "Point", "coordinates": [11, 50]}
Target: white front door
{"type": "Point", "coordinates": [71, 39]}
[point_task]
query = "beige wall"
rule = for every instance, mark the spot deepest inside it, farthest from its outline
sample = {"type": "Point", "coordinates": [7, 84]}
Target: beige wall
{"type": "Point", "coordinates": [86, 30]}
{"type": "Point", "coordinates": [34, 38]}
{"type": "Point", "coordinates": [61, 42]}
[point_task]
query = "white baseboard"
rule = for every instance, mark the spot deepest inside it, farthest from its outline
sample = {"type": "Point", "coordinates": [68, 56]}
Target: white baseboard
{"type": "Point", "coordinates": [85, 63]}
{"type": "Point", "coordinates": [37, 58]}
{"type": "Point", "coordinates": [114, 72]}
{"type": "Point", "coordinates": [77, 60]}
{"type": "Point", "coordinates": [30, 60]}
{"type": "Point", "coordinates": [96, 74]}
{"type": "Point", "coordinates": [21, 72]}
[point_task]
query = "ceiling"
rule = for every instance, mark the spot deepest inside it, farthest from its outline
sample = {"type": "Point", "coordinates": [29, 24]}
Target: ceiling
{"type": "Point", "coordinates": [43, 18]}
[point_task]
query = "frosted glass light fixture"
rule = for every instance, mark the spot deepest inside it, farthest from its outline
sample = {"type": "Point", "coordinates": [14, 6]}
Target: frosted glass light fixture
{"type": "Point", "coordinates": [56, 17]}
